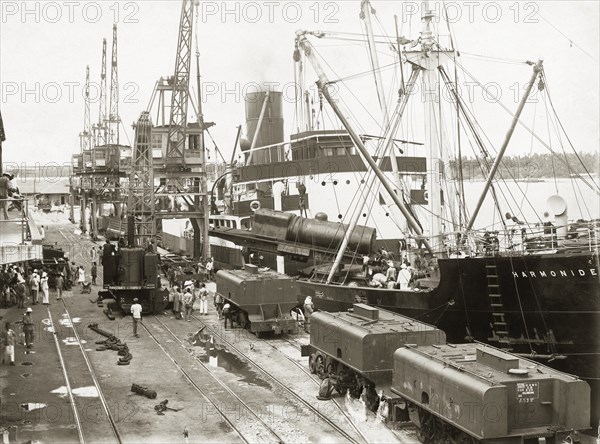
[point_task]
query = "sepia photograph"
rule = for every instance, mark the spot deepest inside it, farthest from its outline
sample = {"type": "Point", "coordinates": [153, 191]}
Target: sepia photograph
{"type": "Point", "coordinates": [309, 221]}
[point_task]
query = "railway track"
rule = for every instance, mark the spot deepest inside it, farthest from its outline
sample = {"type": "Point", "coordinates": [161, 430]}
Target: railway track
{"type": "Point", "coordinates": [268, 434]}
{"type": "Point", "coordinates": [79, 423]}
{"type": "Point", "coordinates": [292, 393]}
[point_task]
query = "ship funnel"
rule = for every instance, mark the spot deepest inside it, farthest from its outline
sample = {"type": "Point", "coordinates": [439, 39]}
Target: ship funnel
{"type": "Point", "coordinates": [269, 128]}
{"type": "Point", "coordinates": [558, 207]}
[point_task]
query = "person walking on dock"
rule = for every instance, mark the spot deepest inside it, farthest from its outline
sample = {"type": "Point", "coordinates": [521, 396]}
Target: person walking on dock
{"type": "Point", "coordinates": [177, 302]}
{"type": "Point", "coordinates": [45, 289]}
{"type": "Point", "coordinates": [60, 283]}
{"type": "Point", "coordinates": [203, 300]}
{"type": "Point", "coordinates": [136, 311]}
{"type": "Point", "coordinates": [8, 338]}
{"type": "Point", "coordinates": [94, 254]}
{"type": "Point", "coordinates": [28, 328]}
{"type": "Point", "coordinates": [188, 303]}
{"type": "Point", "coordinates": [81, 276]}
{"type": "Point", "coordinates": [34, 285]}
{"type": "Point", "coordinates": [21, 292]}
{"type": "Point", "coordinates": [210, 268]}
{"type": "Point", "coordinates": [94, 273]}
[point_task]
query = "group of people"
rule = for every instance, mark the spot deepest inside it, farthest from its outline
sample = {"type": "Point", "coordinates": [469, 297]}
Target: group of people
{"type": "Point", "coordinates": [388, 274]}
{"type": "Point", "coordinates": [183, 301]}
{"type": "Point", "coordinates": [8, 337]}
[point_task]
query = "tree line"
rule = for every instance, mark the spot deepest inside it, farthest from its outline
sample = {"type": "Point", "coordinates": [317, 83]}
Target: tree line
{"type": "Point", "coordinates": [534, 166]}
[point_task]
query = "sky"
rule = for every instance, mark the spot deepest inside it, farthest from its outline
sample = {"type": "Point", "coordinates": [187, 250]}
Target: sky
{"type": "Point", "coordinates": [46, 46]}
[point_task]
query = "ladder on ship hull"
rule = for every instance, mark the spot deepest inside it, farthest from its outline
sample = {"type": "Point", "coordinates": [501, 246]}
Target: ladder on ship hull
{"type": "Point", "coordinates": [498, 324]}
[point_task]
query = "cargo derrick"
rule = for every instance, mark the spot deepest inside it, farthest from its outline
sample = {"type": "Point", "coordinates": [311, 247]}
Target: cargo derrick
{"type": "Point", "coordinates": [353, 351]}
{"type": "Point", "coordinates": [471, 393]}
{"type": "Point", "coordinates": [261, 300]}
{"type": "Point", "coordinates": [132, 271]}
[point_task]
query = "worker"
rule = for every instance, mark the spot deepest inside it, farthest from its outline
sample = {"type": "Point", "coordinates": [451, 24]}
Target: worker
{"type": "Point", "coordinates": [209, 268]}
{"type": "Point", "coordinates": [136, 311]}
{"type": "Point", "coordinates": [227, 314]}
{"type": "Point", "coordinates": [60, 283]}
{"type": "Point", "coordinates": [390, 274]}
{"type": "Point", "coordinates": [4, 187]}
{"type": "Point", "coordinates": [21, 292]}
{"type": "Point", "coordinates": [94, 254]}
{"type": "Point", "coordinates": [28, 328]}
{"type": "Point", "coordinates": [34, 286]}
{"type": "Point", "coordinates": [94, 273]}
{"type": "Point", "coordinates": [81, 276]}
{"type": "Point", "coordinates": [45, 289]}
{"type": "Point", "coordinates": [309, 308]}
{"type": "Point", "coordinates": [203, 300]}
{"type": "Point", "coordinates": [177, 302]}
{"type": "Point", "coordinates": [365, 264]}
{"type": "Point", "coordinates": [379, 280]}
{"type": "Point", "coordinates": [404, 277]}
{"type": "Point", "coordinates": [8, 338]}
{"type": "Point", "coordinates": [218, 300]}
{"type": "Point", "coordinates": [188, 303]}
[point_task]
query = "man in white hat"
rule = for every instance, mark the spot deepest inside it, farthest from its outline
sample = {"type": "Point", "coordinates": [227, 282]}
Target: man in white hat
{"type": "Point", "coordinates": [28, 327]}
{"type": "Point", "coordinates": [45, 289]}
{"type": "Point", "coordinates": [34, 286]}
{"type": "Point", "coordinates": [404, 277]}
{"type": "Point", "coordinates": [136, 311]}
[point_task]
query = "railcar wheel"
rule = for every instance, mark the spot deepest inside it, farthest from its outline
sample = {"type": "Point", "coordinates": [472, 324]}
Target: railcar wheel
{"type": "Point", "coordinates": [331, 369]}
{"type": "Point", "coordinates": [311, 364]}
{"type": "Point", "coordinates": [426, 429]}
{"type": "Point", "coordinates": [320, 366]}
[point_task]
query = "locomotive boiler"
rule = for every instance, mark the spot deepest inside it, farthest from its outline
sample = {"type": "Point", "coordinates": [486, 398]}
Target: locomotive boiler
{"type": "Point", "coordinates": [129, 273]}
{"type": "Point", "coordinates": [476, 393]}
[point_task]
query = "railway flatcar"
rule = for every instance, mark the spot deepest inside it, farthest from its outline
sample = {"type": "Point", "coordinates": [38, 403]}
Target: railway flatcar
{"type": "Point", "coordinates": [472, 393]}
{"type": "Point", "coordinates": [263, 300]}
{"type": "Point", "coordinates": [354, 350]}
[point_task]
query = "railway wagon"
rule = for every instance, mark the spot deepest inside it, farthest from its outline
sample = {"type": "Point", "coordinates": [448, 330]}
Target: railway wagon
{"type": "Point", "coordinates": [262, 299]}
{"type": "Point", "coordinates": [355, 349]}
{"type": "Point", "coordinates": [131, 273]}
{"type": "Point", "coordinates": [472, 393]}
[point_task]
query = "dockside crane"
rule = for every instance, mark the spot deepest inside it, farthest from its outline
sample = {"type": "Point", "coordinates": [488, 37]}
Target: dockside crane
{"type": "Point", "coordinates": [182, 174]}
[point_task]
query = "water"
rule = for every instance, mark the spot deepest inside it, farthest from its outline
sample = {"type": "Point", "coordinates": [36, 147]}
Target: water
{"type": "Point", "coordinates": [527, 200]}
{"type": "Point", "coordinates": [216, 356]}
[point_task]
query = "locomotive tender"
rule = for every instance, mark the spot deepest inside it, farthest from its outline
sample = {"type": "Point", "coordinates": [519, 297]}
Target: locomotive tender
{"type": "Point", "coordinates": [355, 349]}
{"type": "Point", "coordinates": [263, 299]}
{"type": "Point", "coordinates": [477, 393]}
{"type": "Point", "coordinates": [464, 393]}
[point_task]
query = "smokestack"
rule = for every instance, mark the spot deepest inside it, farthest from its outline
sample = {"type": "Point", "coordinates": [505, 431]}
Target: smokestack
{"type": "Point", "coordinates": [271, 127]}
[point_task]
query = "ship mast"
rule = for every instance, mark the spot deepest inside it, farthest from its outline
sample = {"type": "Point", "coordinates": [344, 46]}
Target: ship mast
{"type": "Point", "coordinates": [388, 146]}
{"type": "Point", "coordinates": [536, 70]}
{"type": "Point", "coordinates": [323, 84]}
{"type": "Point", "coordinates": [366, 11]}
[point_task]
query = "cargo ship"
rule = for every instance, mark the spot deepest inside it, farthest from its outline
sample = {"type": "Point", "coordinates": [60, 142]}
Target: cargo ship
{"type": "Point", "coordinates": [313, 206]}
